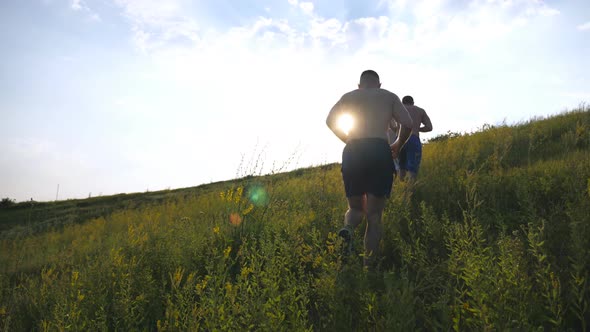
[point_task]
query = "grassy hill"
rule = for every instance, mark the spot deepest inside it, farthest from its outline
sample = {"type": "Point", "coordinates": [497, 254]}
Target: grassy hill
{"type": "Point", "coordinates": [495, 235]}
{"type": "Point", "coordinates": [31, 217]}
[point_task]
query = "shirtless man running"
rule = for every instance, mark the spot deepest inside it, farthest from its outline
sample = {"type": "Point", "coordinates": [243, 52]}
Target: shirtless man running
{"type": "Point", "coordinates": [367, 159]}
{"type": "Point", "coordinates": [411, 154]}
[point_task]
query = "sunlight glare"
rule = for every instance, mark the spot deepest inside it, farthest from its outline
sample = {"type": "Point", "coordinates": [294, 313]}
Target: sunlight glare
{"type": "Point", "coordinates": [258, 196]}
{"type": "Point", "coordinates": [345, 123]}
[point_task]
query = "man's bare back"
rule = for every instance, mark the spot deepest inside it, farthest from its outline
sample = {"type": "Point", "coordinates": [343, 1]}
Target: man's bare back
{"type": "Point", "coordinates": [419, 117]}
{"type": "Point", "coordinates": [411, 154]}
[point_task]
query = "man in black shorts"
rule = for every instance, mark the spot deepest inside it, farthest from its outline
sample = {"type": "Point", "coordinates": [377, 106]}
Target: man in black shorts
{"type": "Point", "coordinates": [367, 159]}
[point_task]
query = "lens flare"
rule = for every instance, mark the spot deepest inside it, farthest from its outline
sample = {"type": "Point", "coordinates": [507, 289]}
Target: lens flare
{"type": "Point", "coordinates": [345, 123]}
{"type": "Point", "coordinates": [235, 219]}
{"type": "Point", "coordinates": [258, 196]}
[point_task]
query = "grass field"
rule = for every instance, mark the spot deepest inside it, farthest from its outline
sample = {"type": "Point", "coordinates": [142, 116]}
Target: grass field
{"type": "Point", "coordinates": [495, 235]}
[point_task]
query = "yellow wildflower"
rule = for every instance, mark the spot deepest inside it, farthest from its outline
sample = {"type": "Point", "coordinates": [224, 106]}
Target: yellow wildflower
{"type": "Point", "coordinates": [317, 261]}
{"type": "Point", "coordinates": [75, 275]}
{"type": "Point", "coordinates": [202, 285]}
{"type": "Point", "coordinates": [226, 252]}
{"type": "Point", "coordinates": [238, 194]}
{"type": "Point", "coordinates": [228, 287]}
{"type": "Point", "coordinates": [248, 209]}
{"type": "Point", "coordinates": [178, 274]}
{"type": "Point", "coordinates": [216, 230]}
{"type": "Point", "coordinates": [331, 248]}
{"type": "Point", "coordinates": [246, 271]}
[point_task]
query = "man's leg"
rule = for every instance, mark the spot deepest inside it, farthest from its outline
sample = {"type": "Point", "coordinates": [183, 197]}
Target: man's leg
{"type": "Point", "coordinates": [375, 206]}
{"type": "Point", "coordinates": [413, 157]}
{"type": "Point", "coordinates": [402, 174]}
{"type": "Point", "coordinates": [352, 218]}
{"type": "Point", "coordinates": [407, 175]}
{"type": "Point", "coordinates": [355, 212]}
{"type": "Point", "coordinates": [417, 161]}
{"type": "Point", "coordinates": [403, 163]}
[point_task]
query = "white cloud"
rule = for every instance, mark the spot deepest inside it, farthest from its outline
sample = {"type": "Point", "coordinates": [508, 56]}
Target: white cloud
{"type": "Point", "coordinates": [76, 5]}
{"type": "Point", "coordinates": [327, 31]}
{"type": "Point", "coordinates": [255, 49]}
{"type": "Point", "coordinates": [547, 11]}
{"type": "Point", "coordinates": [80, 6]}
{"type": "Point", "coordinates": [307, 7]}
{"type": "Point", "coordinates": [584, 26]}
{"type": "Point", "coordinates": [436, 25]}
{"type": "Point", "coordinates": [156, 23]}
{"type": "Point", "coordinates": [443, 25]}
{"type": "Point", "coordinates": [541, 9]}
{"type": "Point", "coordinates": [371, 27]}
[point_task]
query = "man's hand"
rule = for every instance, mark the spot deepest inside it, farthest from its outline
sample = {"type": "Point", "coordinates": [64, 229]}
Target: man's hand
{"type": "Point", "coordinates": [395, 148]}
{"type": "Point", "coordinates": [402, 137]}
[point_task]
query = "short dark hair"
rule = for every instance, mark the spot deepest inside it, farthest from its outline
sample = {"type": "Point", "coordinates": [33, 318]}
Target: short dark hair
{"type": "Point", "coordinates": [370, 75]}
{"type": "Point", "coordinates": [408, 100]}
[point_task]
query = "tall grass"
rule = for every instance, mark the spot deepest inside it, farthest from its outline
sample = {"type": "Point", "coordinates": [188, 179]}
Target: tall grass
{"type": "Point", "coordinates": [493, 236]}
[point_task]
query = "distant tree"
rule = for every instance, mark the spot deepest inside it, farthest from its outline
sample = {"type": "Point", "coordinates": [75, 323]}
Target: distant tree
{"type": "Point", "coordinates": [6, 202]}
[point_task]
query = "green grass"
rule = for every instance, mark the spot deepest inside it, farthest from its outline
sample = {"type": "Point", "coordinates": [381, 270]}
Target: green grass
{"type": "Point", "coordinates": [495, 235]}
{"type": "Point", "coordinates": [31, 217]}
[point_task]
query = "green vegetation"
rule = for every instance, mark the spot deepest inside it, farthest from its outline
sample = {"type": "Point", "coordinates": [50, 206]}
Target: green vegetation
{"type": "Point", "coordinates": [495, 235]}
{"type": "Point", "coordinates": [31, 217]}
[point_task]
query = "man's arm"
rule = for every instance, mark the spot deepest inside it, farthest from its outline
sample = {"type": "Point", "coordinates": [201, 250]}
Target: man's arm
{"type": "Point", "coordinates": [402, 137]}
{"type": "Point", "coordinates": [427, 124]}
{"type": "Point", "coordinates": [394, 126]}
{"type": "Point", "coordinates": [392, 131]}
{"type": "Point", "coordinates": [331, 122]}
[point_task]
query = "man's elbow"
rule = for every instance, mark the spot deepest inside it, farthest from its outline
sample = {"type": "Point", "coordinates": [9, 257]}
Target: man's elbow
{"type": "Point", "coordinates": [425, 129]}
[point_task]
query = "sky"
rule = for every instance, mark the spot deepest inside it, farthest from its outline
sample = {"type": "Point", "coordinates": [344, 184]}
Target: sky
{"type": "Point", "coordinates": [102, 97]}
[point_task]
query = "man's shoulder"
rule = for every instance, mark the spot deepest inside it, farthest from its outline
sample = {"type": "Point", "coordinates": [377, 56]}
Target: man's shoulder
{"type": "Point", "coordinates": [363, 92]}
{"type": "Point", "coordinates": [389, 93]}
{"type": "Point", "coordinates": [350, 93]}
{"type": "Point", "coordinates": [414, 107]}
{"type": "Point", "coordinates": [386, 94]}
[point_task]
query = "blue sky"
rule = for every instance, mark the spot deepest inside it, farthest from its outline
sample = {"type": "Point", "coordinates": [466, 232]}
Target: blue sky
{"type": "Point", "coordinates": [111, 96]}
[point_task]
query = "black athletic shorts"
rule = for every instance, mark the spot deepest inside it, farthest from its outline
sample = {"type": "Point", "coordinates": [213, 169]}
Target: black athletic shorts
{"type": "Point", "coordinates": [367, 167]}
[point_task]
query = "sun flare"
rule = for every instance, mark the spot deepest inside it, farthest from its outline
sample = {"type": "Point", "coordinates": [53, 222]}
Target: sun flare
{"type": "Point", "coordinates": [345, 123]}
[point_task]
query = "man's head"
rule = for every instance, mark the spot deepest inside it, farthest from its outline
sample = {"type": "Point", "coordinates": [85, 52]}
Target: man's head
{"type": "Point", "coordinates": [369, 79]}
{"type": "Point", "coordinates": [408, 100]}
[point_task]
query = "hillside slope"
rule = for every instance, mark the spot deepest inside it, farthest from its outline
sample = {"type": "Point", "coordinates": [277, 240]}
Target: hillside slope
{"type": "Point", "coordinates": [495, 235]}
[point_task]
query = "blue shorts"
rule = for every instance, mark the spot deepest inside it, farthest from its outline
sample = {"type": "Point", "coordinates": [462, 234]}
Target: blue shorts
{"type": "Point", "coordinates": [411, 155]}
{"type": "Point", "coordinates": [367, 167]}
